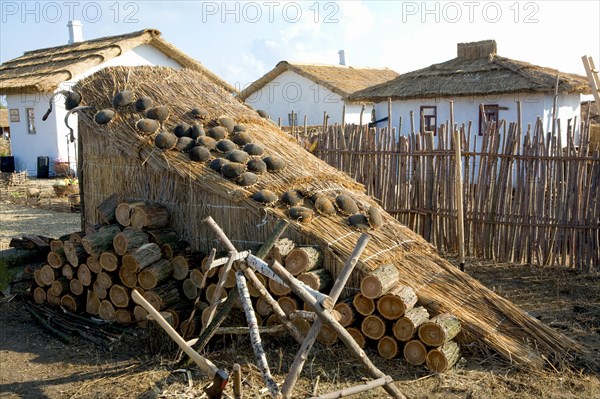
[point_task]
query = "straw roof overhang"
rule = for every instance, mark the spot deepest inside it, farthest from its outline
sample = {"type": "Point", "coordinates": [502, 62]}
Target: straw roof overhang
{"type": "Point", "coordinates": [467, 77]}
{"type": "Point", "coordinates": [44, 69]}
{"type": "Point", "coordinates": [342, 80]}
{"type": "Point", "coordinates": [4, 118]}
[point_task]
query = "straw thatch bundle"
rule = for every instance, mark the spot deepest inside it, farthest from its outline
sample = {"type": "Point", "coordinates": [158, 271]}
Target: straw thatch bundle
{"type": "Point", "coordinates": [116, 158]}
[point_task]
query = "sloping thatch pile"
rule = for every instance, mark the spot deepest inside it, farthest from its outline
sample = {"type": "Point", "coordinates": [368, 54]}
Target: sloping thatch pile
{"type": "Point", "coordinates": [118, 159]}
{"type": "Point", "coordinates": [472, 73]}
{"type": "Point", "coordinates": [342, 80]}
{"type": "Point", "coordinates": [45, 69]}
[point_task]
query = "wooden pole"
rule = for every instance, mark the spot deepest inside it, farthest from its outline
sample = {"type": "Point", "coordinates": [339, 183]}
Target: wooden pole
{"type": "Point", "coordinates": [458, 189]}
{"type": "Point", "coordinates": [237, 381]}
{"type": "Point", "coordinates": [219, 290]}
{"type": "Point", "coordinates": [206, 365]}
{"type": "Point", "coordinates": [367, 386]}
{"type": "Point", "coordinates": [261, 358]}
{"type": "Point", "coordinates": [325, 316]}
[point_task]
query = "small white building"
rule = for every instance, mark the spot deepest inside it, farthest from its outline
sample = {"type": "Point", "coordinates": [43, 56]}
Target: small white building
{"type": "Point", "coordinates": [30, 81]}
{"type": "Point", "coordinates": [312, 89]}
{"type": "Point", "coordinates": [478, 76]}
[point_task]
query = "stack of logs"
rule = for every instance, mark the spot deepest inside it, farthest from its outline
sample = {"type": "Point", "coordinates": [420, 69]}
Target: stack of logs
{"type": "Point", "coordinates": [95, 272]}
{"type": "Point", "coordinates": [385, 315]}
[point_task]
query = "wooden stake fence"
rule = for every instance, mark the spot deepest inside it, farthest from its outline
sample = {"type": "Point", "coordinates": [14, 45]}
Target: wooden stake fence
{"type": "Point", "coordinates": [528, 198]}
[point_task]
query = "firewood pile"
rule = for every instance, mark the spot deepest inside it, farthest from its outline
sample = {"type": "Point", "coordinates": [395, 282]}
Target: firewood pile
{"type": "Point", "coordinates": [95, 272]}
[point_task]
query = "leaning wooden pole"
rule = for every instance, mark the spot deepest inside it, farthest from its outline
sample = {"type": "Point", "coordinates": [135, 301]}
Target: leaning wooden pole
{"type": "Point", "coordinates": [345, 337]}
{"type": "Point", "coordinates": [259, 352]}
{"type": "Point", "coordinates": [302, 355]}
{"type": "Point", "coordinates": [458, 190]}
{"type": "Point", "coordinates": [206, 365]}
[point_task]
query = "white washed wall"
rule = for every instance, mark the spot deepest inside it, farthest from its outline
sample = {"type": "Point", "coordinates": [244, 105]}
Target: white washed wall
{"type": "Point", "coordinates": [291, 92]}
{"type": "Point", "coordinates": [466, 109]}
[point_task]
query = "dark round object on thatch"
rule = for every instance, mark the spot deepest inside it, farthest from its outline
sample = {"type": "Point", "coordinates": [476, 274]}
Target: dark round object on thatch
{"type": "Point", "coordinates": [104, 116]}
{"type": "Point", "coordinates": [292, 198]}
{"type": "Point", "coordinates": [242, 138]}
{"type": "Point", "coordinates": [218, 163]}
{"type": "Point", "coordinates": [199, 113]}
{"type": "Point", "coordinates": [72, 100]}
{"type": "Point", "coordinates": [274, 163]}
{"type": "Point", "coordinates": [266, 197]}
{"type": "Point", "coordinates": [233, 170]}
{"type": "Point", "coordinates": [246, 179]}
{"type": "Point", "coordinates": [159, 113]}
{"type": "Point", "coordinates": [207, 142]}
{"type": "Point", "coordinates": [165, 140]}
{"type": "Point", "coordinates": [183, 130]}
{"type": "Point", "coordinates": [197, 130]}
{"type": "Point", "coordinates": [237, 156]}
{"type": "Point", "coordinates": [375, 218]}
{"type": "Point", "coordinates": [359, 221]}
{"type": "Point", "coordinates": [254, 149]}
{"type": "Point", "coordinates": [147, 126]}
{"type": "Point", "coordinates": [301, 214]}
{"type": "Point", "coordinates": [225, 145]}
{"type": "Point", "coordinates": [346, 205]}
{"type": "Point", "coordinates": [123, 98]}
{"type": "Point", "coordinates": [199, 154]}
{"type": "Point", "coordinates": [324, 205]}
{"type": "Point", "coordinates": [185, 143]}
{"type": "Point", "coordinates": [217, 132]}
{"type": "Point", "coordinates": [143, 104]}
{"type": "Point", "coordinates": [227, 123]}
{"type": "Point", "coordinates": [257, 166]}
{"type": "Point", "coordinates": [263, 113]}
{"type": "Point", "coordinates": [239, 128]}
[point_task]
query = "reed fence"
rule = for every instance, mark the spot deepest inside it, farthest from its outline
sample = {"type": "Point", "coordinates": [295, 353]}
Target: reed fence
{"type": "Point", "coordinates": [527, 196]}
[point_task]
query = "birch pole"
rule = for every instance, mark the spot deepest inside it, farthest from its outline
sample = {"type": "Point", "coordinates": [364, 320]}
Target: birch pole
{"type": "Point", "coordinates": [255, 341]}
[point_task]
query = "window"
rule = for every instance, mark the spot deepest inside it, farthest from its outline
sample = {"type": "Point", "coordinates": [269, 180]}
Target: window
{"type": "Point", "coordinates": [30, 120]}
{"type": "Point", "coordinates": [489, 114]}
{"type": "Point", "coordinates": [293, 119]}
{"type": "Point", "coordinates": [429, 119]}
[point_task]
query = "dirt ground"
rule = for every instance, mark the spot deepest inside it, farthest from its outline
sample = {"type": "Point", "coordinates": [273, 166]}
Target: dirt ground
{"type": "Point", "coordinates": [36, 364]}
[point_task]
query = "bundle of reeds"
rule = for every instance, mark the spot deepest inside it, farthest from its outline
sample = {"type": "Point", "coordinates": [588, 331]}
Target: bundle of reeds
{"type": "Point", "coordinates": [117, 158]}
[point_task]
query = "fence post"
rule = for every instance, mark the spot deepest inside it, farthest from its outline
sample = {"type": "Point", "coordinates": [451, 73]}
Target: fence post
{"type": "Point", "coordinates": [458, 189]}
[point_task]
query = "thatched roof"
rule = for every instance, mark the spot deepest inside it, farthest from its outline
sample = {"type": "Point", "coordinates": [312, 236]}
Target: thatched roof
{"type": "Point", "coordinates": [45, 69]}
{"type": "Point", "coordinates": [342, 80]}
{"type": "Point", "coordinates": [117, 158]}
{"type": "Point", "coordinates": [4, 117]}
{"type": "Point", "coordinates": [477, 70]}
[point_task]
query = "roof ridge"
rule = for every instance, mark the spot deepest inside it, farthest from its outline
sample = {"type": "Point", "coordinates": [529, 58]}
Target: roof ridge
{"type": "Point", "coordinates": [152, 31]}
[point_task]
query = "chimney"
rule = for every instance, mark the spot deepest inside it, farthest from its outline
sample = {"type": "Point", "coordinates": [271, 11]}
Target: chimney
{"type": "Point", "coordinates": [75, 32]}
{"type": "Point", "coordinates": [473, 50]}
{"type": "Point", "coordinates": [342, 54]}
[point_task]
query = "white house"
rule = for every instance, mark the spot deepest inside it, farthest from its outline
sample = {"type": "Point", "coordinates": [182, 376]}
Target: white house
{"type": "Point", "coordinates": [312, 89]}
{"type": "Point", "coordinates": [477, 76]}
{"type": "Point", "coordinates": [31, 80]}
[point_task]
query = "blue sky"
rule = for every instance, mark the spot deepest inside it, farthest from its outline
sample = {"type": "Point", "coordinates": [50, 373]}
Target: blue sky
{"type": "Point", "coordinates": [242, 40]}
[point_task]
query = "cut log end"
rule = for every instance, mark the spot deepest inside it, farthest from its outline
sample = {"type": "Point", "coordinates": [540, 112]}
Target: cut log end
{"type": "Point", "coordinates": [388, 347]}
{"type": "Point", "coordinates": [415, 352]}
{"type": "Point", "coordinates": [443, 358]}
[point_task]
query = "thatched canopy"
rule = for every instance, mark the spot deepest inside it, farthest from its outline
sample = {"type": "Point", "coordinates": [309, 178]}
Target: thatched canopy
{"type": "Point", "coordinates": [45, 69]}
{"type": "Point", "coordinates": [116, 158]}
{"type": "Point", "coordinates": [477, 70]}
{"type": "Point", "coordinates": [342, 80]}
